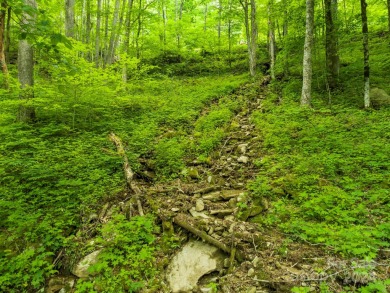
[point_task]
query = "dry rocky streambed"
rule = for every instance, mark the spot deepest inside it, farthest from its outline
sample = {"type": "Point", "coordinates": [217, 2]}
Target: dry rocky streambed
{"type": "Point", "coordinates": [222, 249]}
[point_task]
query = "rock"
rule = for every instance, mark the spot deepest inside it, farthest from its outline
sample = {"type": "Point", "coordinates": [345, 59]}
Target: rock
{"type": "Point", "coordinates": [196, 214]}
{"type": "Point", "coordinates": [379, 98]}
{"type": "Point", "coordinates": [81, 269]}
{"type": "Point", "coordinates": [252, 290]}
{"type": "Point", "coordinates": [193, 173]}
{"type": "Point", "coordinates": [229, 218]}
{"type": "Point", "coordinates": [255, 210]}
{"type": "Point", "coordinates": [251, 272]}
{"type": "Point", "coordinates": [242, 148]}
{"type": "Point", "coordinates": [199, 205]}
{"type": "Point", "coordinates": [234, 125]}
{"type": "Point", "coordinates": [59, 283]}
{"type": "Point", "coordinates": [195, 260]}
{"type": "Point", "coordinates": [243, 159]}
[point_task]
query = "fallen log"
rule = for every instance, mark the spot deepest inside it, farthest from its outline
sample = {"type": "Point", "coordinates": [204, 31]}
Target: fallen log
{"type": "Point", "coordinates": [184, 222]}
{"type": "Point", "coordinates": [129, 174]}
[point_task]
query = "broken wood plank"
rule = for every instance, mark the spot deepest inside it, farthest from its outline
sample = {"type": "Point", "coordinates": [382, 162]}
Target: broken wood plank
{"type": "Point", "coordinates": [184, 222]}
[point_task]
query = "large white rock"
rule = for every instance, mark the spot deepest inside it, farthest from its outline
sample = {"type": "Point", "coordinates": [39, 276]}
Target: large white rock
{"type": "Point", "coordinates": [81, 269]}
{"type": "Point", "coordinates": [195, 260]}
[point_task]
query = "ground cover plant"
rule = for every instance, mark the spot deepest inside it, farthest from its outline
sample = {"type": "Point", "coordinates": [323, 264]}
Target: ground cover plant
{"type": "Point", "coordinates": [327, 174]}
{"type": "Point", "coordinates": [55, 173]}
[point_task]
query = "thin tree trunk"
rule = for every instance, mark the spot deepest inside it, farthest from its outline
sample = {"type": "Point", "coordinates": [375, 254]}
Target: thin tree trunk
{"type": "Point", "coordinates": [26, 70]}
{"type": "Point", "coordinates": [253, 51]}
{"type": "Point", "coordinates": [205, 17]}
{"type": "Point", "coordinates": [106, 21]}
{"type": "Point", "coordinates": [271, 38]}
{"type": "Point", "coordinates": [69, 18]}
{"type": "Point", "coordinates": [3, 62]}
{"type": "Point", "coordinates": [307, 55]}
{"type": "Point", "coordinates": [119, 29]}
{"type": "Point", "coordinates": [110, 52]}
{"type": "Point", "coordinates": [137, 47]}
{"type": "Point", "coordinates": [128, 26]}
{"type": "Point", "coordinates": [88, 22]}
{"type": "Point", "coordinates": [331, 36]}
{"type": "Point", "coordinates": [97, 42]}
{"type": "Point", "coordinates": [178, 36]}
{"type": "Point", "coordinates": [219, 24]}
{"type": "Point", "coordinates": [366, 54]}
{"type": "Point", "coordinates": [7, 35]}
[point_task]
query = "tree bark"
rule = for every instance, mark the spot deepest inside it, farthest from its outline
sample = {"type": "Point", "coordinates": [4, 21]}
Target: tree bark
{"type": "Point", "coordinates": [110, 52]}
{"type": "Point", "coordinates": [129, 174]}
{"type": "Point", "coordinates": [271, 28]}
{"type": "Point", "coordinates": [7, 35]}
{"type": "Point", "coordinates": [97, 42]}
{"type": "Point", "coordinates": [250, 32]}
{"type": "Point", "coordinates": [88, 22]}
{"type": "Point", "coordinates": [3, 62]}
{"type": "Point", "coordinates": [366, 54]}
{"type": "Point", "coordinates": [69, 18]}
{"type": "Point", "coordinates": [26, 70]}
{"type": "Point", "coordinates": [307, 54]}
{"type": "Point", "coordinates": [253, 53]}
{"type": "Point", "coordinates": [331, 46]}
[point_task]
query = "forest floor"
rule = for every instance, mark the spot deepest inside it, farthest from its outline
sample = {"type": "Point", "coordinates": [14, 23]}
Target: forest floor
{"type": "Point", "coordinates": [213, 203]}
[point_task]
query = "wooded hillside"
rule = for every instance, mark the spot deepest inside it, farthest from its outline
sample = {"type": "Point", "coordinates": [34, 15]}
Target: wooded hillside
{"type": "Point", "coordinates": [128, 127]}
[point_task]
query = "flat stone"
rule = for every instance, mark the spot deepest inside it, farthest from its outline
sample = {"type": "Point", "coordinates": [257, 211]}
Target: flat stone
{"type": "Point", "coordinates": [199, 205]}
{"type": "Point", "coordinates": [251, 272]}
{"type": "Point", "coordinates": [81, 269]}
{"type": "Point", "coordinates": [243, 159]}
{"type": "Point", "coordinates": [60, 283]}
{"type": "Point", "coordinates": [195, 260]}
{"type": "Point", "coordinates": [196, 214]}
{"type": "Point", "coordinates": [242, 148]}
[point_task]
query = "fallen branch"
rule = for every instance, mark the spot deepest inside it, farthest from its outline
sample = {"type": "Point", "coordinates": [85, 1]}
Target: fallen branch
{"type": "Point", "coordinates": [184, 222]}
{"type": "Point", "coordinates": [129, 174]}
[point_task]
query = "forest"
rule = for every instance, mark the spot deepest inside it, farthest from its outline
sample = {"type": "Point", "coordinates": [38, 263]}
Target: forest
{"type": "Point", "coordinates": [253, 134]}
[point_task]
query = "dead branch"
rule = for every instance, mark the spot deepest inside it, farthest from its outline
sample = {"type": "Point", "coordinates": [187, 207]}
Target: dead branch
{"type": "Point", "coordinates": [129, 174]}
{"type": "Point", "coordinates": [184, 222]}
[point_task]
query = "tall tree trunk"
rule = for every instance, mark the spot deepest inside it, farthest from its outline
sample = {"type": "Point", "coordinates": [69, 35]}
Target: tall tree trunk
{"type": "Point", "coordinates": [366, 54]}
{"type": "Point", "coordinates": [97, 42]}
{"type": "Point", "coordinates": [205, 17]}
{"type": "Point", "coordinates": [250, 32]}
{"type": "Point", "coordinates": [137, 46]}
{"type": "Point", "coordinates": [110, 52]}
{"type": "Point", "coordinates": [128, 26]}
{"type": "Point", "coordinates": [69, 18]}
{"type": "Point", "coordinates": [271, 28]}
{"type": "Point", "coordinates": [253, 45]}
{"type": "Point", "coordinates": [88, 22]}
{"type": "Point", "coordinates": [331, 46]}
{"type": "Point", "coordinates": [26, 70]}
{"type": "Point", "coordinates": [307, 55]}
{"type": "Point", "coordinates": [126, 44]}
{"type": "Point", "coordinates": [7, 35]}
{"type": "Point", "coordinates": [219, 24]}
{"type": "Point", "coordinates": [106, 21]}
{"type": "Point", "coordinates": [178, 35]}
{"type": "Point", "coordinates": [3, 62]}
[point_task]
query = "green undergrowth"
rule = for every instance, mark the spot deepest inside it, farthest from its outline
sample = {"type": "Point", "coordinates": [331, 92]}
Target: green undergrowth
{"type": "Point", "coordinates": [127, 259]}
{"type": "Point", "coordinates": [58, 170]}
{"type": "Point", "coordinates": [326, 173]}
